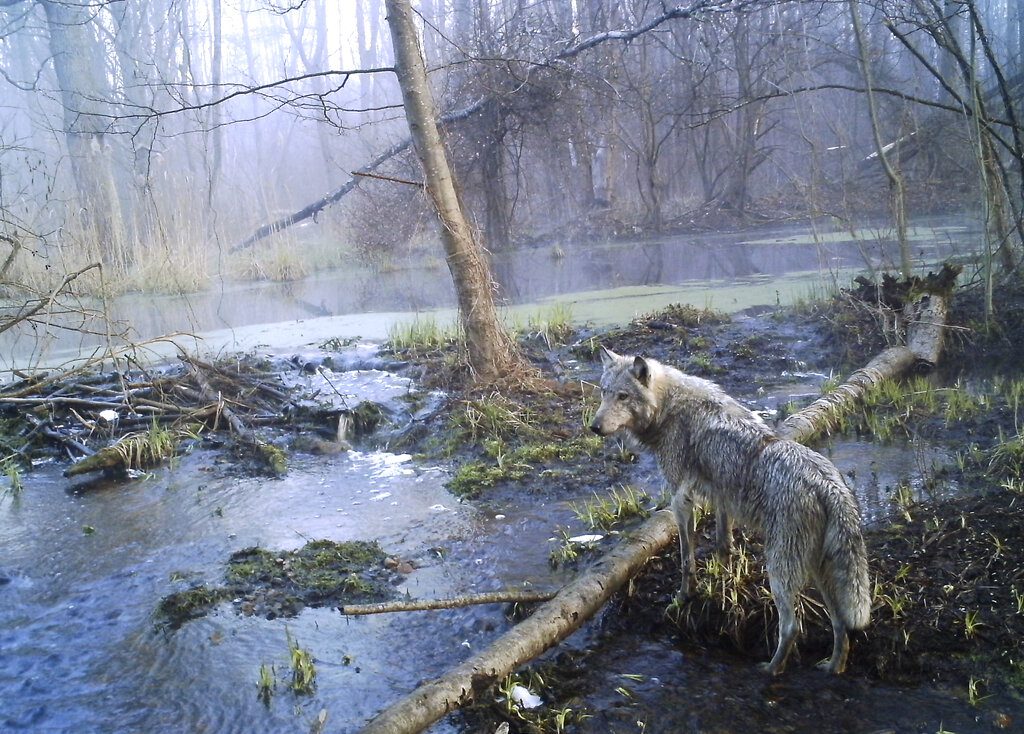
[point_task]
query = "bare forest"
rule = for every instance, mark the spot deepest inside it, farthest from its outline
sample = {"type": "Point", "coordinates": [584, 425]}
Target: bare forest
{"type": "Point", "coordinates": [157, 146]}
{"type": "Point", "coordinates": [250, 429]}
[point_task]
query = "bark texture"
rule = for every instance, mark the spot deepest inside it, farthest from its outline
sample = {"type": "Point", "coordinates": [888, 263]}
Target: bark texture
{"type": "Point", "coordinates": [551, 623]}
{"type": "Point", "coordinates": [422, 605]}
{"type": "Point", "coordinates": [492, 354]}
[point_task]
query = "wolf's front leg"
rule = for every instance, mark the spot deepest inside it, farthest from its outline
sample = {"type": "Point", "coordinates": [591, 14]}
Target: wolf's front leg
{"type": "Point", "coordinates": [682, 507]}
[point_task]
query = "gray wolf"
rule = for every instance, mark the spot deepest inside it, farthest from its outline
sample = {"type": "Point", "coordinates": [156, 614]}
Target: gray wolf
{"type": "Point", "coordinates": [711, 448]}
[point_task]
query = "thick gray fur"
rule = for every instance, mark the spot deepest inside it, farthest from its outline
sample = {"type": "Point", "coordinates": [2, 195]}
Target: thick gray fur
{"type": "Point", "coordinates": [710, 448]}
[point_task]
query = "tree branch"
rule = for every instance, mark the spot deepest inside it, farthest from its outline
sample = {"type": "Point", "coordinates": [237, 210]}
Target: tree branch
{"type": "Point", "coordinates": [423, 605]}
{"type": "Point", "coordinates": [46, 300]}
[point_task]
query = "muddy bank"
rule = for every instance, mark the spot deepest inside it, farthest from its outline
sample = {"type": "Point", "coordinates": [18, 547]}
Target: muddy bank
{"type": "Point", "coordinates": [946, 562]}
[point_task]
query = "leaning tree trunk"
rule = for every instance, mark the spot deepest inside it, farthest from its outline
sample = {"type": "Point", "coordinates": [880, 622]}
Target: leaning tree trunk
{"type": "Point", "coordinates": [492, 353]}
{"type": "Point", "coordinates": [579, 600]}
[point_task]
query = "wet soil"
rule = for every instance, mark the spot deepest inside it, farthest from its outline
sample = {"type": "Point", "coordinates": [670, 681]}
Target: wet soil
{"type": "Point", "coordinates": [949, 575]}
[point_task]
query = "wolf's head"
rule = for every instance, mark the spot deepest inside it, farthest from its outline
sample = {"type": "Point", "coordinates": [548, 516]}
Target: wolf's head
{"type": "Point", "coordinates": [627, 400]}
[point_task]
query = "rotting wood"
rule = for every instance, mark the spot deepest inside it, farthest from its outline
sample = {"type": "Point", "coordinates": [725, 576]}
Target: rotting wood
{"type": "Point", "coordinates": [579, 600]}
{"type": "Point", "coordinates": [106, 458]}
{"type": "Point", "coordinates": [517, 596]}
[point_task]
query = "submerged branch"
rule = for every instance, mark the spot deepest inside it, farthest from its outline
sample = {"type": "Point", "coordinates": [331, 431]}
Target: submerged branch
{"type": "Point", "coordinates": [423, 605]}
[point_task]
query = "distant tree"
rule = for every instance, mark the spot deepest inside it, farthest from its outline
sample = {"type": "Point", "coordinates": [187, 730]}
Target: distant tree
{"type": "Point", "coordinates": [897, 188]}
{"type": "Point", "coordinates": [78, 61]}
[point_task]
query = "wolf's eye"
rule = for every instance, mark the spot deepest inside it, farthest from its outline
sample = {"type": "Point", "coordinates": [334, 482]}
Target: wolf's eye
{"type": "Point", "coordinates": [622, 396]}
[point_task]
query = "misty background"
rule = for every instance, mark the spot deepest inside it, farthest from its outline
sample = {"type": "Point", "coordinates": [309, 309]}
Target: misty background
{"type": "Point", "coordinates": [163, 146]}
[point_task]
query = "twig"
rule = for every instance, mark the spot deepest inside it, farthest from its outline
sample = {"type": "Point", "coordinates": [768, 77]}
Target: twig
{"type": "Point", "coordinates": [393, 179]}
{"type": "Point", "coordinates": [43, 427]}
{"type": "Point", "coordinates": [272, 456]}
{"type": "Point", "coordinates": [60, 400]}
{"type": "Point", "coordinates": [421, 605]}
{"type": "Point", "coordinates": [45, 301]}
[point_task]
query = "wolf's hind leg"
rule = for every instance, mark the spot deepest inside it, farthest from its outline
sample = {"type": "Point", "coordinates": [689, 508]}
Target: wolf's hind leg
{"type": "Point", "coordinates": [723, 533]}
{"type": "Point", "coordinates": [789, 625]}
{"type": "Point", "coordinates": [840, 640]}
{"type": "Point", "coordinates": [682, 508]}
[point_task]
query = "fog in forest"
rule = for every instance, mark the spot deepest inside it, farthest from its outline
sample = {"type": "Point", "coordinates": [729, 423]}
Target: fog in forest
{"type": "Point", "coordinates": [172, 147]}
{"type": "Point", "coordinates": [306, 303]}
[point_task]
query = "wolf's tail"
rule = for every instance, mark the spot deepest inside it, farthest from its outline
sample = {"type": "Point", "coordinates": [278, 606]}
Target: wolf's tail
{"type": "Point", "coordinates": [844, 569]}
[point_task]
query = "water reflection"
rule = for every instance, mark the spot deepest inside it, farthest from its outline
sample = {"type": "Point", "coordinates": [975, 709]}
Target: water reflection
{"type": "Point", "coordinates": [704, 263]}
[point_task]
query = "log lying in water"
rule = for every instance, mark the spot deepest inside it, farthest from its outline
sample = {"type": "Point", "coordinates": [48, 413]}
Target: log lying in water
{"type": "Point", "coordinates": [926, 323]}
{"type": "Point", "coordinates": [579, 600]}
{"type": "Point", "coordinates": [423, 605]}
{"type": "Point", "coordinates": [551, 623]}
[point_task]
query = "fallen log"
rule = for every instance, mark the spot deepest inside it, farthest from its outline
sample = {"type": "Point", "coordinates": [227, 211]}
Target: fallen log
{"type": "Point", "coordinates": [926, 319]}
{"type": "Point", "coordinates": [579, 600]}
{"type": "Point", "coordinates": [135, 450]}
{"type": "Point", "coordinates": [550, 623]}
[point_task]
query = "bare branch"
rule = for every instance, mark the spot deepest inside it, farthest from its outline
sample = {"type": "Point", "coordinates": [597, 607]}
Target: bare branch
{"type": "Point", "coordinates": [422, 605]}
{"type": "Point", "coordinates": [32, 310]}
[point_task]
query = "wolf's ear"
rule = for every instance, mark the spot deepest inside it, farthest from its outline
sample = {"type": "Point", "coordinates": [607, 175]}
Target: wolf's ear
{"type": "Point", "coordinates": [608, 357]}
{"type": "Point", "coordinates": [640, 370]}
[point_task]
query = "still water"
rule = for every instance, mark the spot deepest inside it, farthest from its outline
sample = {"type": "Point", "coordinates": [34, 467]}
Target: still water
{"type": "Point", "coordinates": [601, 283]}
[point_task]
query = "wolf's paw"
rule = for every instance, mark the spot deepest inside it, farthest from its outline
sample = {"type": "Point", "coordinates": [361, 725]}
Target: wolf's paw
{"type": "Point", "coordinates": [828, 667]}
{"type": "Point", "coordinates": [769, 669]}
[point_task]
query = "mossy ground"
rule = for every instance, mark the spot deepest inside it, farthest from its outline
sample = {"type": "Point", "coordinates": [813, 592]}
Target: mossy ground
{"type": "Point", "coordinates": [281, 583]}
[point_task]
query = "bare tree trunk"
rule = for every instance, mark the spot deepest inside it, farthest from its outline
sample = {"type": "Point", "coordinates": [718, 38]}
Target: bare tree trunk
{"type": "Point", "coordinates": [492, 353]}
{"type": "Point", "coordinates": [737, 191]}
{"type": "Point", "coordinates": [899, 209]}
{"type": "Point", "coordinates": [215, 132]}
{"type": "Point", "coordinates": [314, 60]}
{"type": "Point", "coordinates": [85, 96]}
{"type": "Point", "coordinates": [579, 600]}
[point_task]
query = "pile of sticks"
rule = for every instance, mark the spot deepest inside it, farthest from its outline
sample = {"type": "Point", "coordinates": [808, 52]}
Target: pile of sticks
{"type": "Point", "coordinates": [87, 416]}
